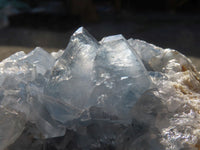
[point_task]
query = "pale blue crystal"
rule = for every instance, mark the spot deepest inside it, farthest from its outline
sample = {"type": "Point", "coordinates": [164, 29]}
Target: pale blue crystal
{"type": "Point", "coordinates": [145, 51]}
{"type": "Point", "coordinates": [72, 77]}
{"type": "Point", "coordinates": [41, 59]}
{"type": "Point", "coordinates": [121, 77]}
{"type": "Point", "coordinates": [111, 94]}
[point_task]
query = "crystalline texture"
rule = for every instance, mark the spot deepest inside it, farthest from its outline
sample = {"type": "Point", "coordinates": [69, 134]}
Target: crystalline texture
{"type": "Point", "coordinates": [112, 94]}
{"type": "Point", "coordinates": [57, 55]}
{"type": "Point", "coordinates": [26, 66]}
{"type": "Point", "coordinates": [90, 74]}
{"type": "Point", "coordinates": [120, 74]}
{"type": "Point", "coordinates": [41, 59]}
{"type": "Point", "coordinates": [22, 85]}
{"type": "Point", "coordinates": [145, 50]}
{"type": "Point", "coordinates": [71, 80]}
{"type": "Point", "coordinates": [11, 126]}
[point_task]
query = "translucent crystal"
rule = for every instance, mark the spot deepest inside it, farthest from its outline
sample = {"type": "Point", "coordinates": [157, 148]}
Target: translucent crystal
{"type": "Point", "coordinates": [145, 51]}
{"type": "Point", "coordinates": [11, 126]}
{"type": "Point", "coordinates": [22, 86]}
{"type": "Point", "coordinates": [57, 55]}
{"type": "Point", "coordinates": [41, 59]}
{"type": "Point", "coordinates": [26, 66]}
{"type": "Point", "coordinates": [71, 81]}
{"type": "Point", "coordinates": [112, 94]}
{"type": "Point", "coordinates": [12, 67]}
{"type": "Point", "coordinates": [121, 77]}
{"type": "Point", "coordinates": [90, 74]}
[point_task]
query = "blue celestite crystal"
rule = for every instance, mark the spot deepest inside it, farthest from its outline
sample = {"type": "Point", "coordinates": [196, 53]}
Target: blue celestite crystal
{"type": "Point", "coordinates": [112, 94]}
{"type": "Point", "coordinates": [120, 76]}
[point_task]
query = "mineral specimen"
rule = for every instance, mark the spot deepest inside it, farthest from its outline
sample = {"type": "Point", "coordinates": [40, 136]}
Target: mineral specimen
{"type": "Point", "coordinates": [112, 94]}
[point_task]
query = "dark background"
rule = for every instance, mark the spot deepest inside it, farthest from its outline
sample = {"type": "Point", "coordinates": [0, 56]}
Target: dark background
{"type": "Point", "coordinates": [25, 24]}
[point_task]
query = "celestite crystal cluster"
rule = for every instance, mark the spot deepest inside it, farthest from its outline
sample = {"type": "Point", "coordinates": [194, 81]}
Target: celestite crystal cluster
{"type": "Point", "coordinates": [115, 94]}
